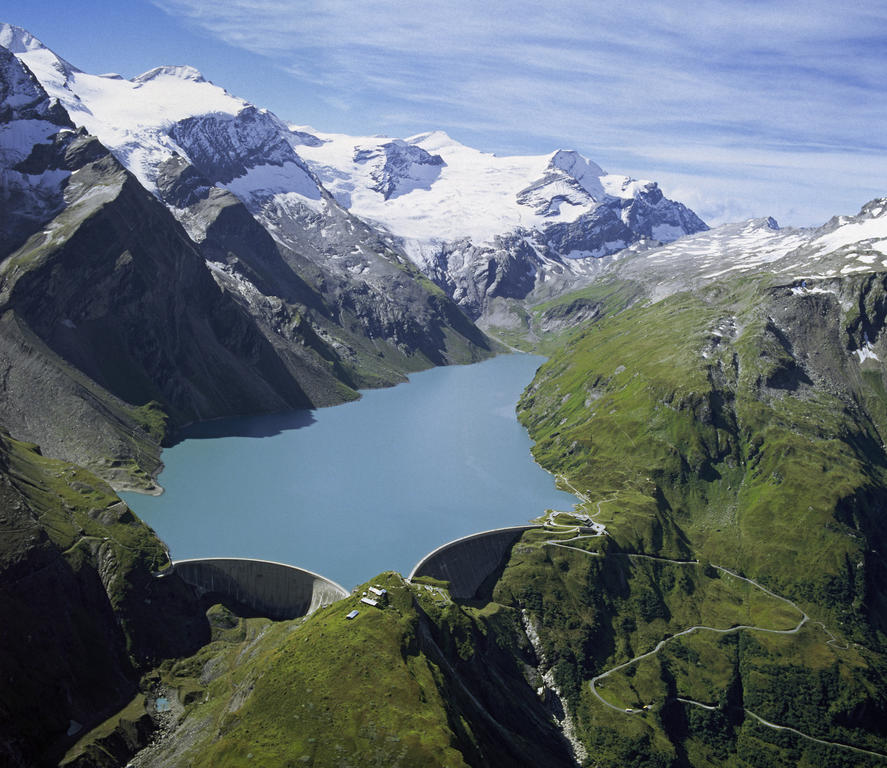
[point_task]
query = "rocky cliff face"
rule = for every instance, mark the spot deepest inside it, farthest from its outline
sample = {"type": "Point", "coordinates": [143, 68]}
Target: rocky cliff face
{"type": "Point", "coordinates": [112, 298]}
{"type": "Point", "coordinates": [30, 192]}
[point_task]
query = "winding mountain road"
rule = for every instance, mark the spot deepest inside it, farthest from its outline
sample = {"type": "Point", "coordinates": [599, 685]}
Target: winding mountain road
{"type": "Point", "coordinates": [776, 726]}
{"type": "Point", "coordinates": [804, 618]}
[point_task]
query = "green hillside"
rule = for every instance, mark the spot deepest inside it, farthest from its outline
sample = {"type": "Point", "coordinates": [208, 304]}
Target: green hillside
{"type": "Point", "coordinates": [735, 427]}
{"type": "Point", "coordinates": [417, 680]}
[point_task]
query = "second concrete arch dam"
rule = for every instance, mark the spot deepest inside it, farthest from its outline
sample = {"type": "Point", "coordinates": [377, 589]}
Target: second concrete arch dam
{"type": "Point", "coordinates": [468, 562]}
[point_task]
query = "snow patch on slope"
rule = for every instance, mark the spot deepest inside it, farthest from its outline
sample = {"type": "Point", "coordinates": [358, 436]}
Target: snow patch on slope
{"type": "Point", "coordinates": [265, 181]}
{"type": "Point", "coordinates": [182, 72]}
{"type": "Point", "coordinates": [623, 187]}
{"type": "Point", "coordinates": [845, 246]}
{"type": "Point", "coordinates": [871, 230]}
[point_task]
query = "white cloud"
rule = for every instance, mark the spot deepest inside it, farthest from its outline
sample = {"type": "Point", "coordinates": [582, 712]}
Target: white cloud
{"type": "Point", "coordinates": [795, 88]}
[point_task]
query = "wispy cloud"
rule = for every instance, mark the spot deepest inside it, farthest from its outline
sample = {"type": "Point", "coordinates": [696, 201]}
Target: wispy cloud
{"type": "Point", "coordinates": [641, 81]}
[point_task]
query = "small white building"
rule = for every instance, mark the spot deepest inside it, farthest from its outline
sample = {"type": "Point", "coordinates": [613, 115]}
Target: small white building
{"type": "Point", "coordinates": [369, 601]}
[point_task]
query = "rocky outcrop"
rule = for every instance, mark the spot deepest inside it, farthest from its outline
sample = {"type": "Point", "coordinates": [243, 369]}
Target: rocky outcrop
{"type": "Point", "coordinates": [224, 147]}
{"type": "Point", "coordinates": [398, 168]}
{"type": "Point", "coordinates": [30, 183]}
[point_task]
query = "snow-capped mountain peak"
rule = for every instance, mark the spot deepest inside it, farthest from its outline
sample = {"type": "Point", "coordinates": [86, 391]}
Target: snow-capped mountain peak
{"type": "Point", "coordinates": [586, 173]}
{"type": "Point", "coordinates": [569, 179]}
{"type": "Point", "coordinates": [36, 55]}
{"type": "Point", "coordinates": [133, 118]}
{"type": "Point", "coordinates": [18, 40]}
{"type": "Point", "coordinates": [436, 198]}
{"type": "Point", "coordinates": [433, 141]}
{"type": "Point", "coordinates": [181, 72]}
{"type": "Point", "coordinates": [467, 194]}
{"type": "Point", "coordinates": [398, 167]}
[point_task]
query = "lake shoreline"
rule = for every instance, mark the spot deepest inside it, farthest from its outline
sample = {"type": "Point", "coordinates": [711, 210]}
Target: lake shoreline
{"type": "Point", "coordinates": [367, 486]}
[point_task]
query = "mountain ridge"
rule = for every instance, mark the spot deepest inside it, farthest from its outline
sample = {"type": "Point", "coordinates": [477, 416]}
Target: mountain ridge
{"type": "Point", "coordinates": [461, 216]}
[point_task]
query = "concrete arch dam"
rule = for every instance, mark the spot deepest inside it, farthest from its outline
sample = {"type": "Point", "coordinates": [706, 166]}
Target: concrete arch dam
{"type": "Point", "coordinates": [275, 590]}
{"type": "Point", "coordinates": [468, 562]}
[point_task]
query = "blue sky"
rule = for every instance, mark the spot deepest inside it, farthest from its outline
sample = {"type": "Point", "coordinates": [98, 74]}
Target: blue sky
{"type": "Point", "coordinates": [737, 109]}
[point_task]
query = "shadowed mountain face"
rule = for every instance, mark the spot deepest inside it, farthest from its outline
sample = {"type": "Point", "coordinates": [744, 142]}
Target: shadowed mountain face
{"type": "Point", "coordinates": [85, 615]}
{"type": "Point", "coordinates": [112, 305]}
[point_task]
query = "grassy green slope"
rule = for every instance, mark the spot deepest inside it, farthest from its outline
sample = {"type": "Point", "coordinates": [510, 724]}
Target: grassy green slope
{"type": "Point", "coordinates": [700, 433]}
{"type": "Point", "coordinates": [733, 426]}
{"type": "Point", "coordinates": [417, 681]}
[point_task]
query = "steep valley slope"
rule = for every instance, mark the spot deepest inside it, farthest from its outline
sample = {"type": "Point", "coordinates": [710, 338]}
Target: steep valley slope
{"type": "Point", "coordinates": [737, 426]}
{"type": "Point", "coordinates": [83, 616]}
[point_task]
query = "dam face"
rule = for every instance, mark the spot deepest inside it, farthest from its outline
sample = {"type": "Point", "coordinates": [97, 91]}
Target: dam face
{"type": "Point", "coordinates": [467, 562]}
{"type": "Point", "coordinates": [275, 590]}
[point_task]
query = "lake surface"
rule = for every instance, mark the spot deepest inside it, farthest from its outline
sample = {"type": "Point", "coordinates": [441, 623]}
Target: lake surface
{"type": "Point", "coordinates": [360, 488]}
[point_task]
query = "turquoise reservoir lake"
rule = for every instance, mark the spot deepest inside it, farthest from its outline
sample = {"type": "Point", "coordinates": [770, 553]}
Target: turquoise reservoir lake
{"type": "Point", "coordinates": [359, 488]}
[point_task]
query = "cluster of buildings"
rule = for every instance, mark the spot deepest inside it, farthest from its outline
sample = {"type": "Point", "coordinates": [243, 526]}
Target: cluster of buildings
{"type": "Point", "coordinates": [380, 597]}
